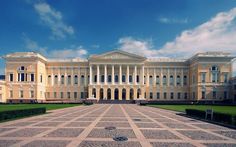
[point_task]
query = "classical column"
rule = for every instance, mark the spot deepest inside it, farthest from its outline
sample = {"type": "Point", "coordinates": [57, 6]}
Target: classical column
{"type": "Point", "coordinates": [127, 75]}
{"type": "Point", "coordinates": [72, 76]}
{"type": "Point", "coordinates": [147, 77]}
{"type": "Point", "coordinates": [168, 77]}
{"type": "Point", "coordinates": [142, 75]}
{"type": "Point", "coordinates": [65, 77]}
{"type": "Point", "coordinates": [105, 74]}
{"type": "Point", "coordinates": [112, 75]}
{"type": "Point", "coordinates": [161, 77]}
{"type": "Point", "coordinates": [175, 78]}
{"type": "Point", "coordinates": [154, 77]}
{"type": "Point", "coordinates": [90, 74]}
{"type": "Point", "coordinates": [135, 74]}
{"type": "Point", "coordinates": [98, 74]}
{"type": "Point", "coordinates": [120, 75]}
{"type": "Point", "coordinates": [52, 77]}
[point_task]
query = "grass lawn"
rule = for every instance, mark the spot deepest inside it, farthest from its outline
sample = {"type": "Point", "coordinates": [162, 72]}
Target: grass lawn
{"type": "Point", "coordinates": [4, 107]}
{"type": "Point", "coordinates": [181, 108]}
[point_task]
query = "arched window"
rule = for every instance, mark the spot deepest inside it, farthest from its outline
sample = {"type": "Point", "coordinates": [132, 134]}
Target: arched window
{"type": "Point", "coordinates": [164, 80]}
{"type": "Point", "coordinates": [69, 79]}
{"type": "Point", "coordinates": [82, 80]}
{"type": "Point", "coordinates": [49, 79]}
{"type": "Point", "coordinates": [62, 79]}
{"type": "Point", "coordinates": [157, 80]}
{"type": "Point", "coordinates": [94, 93]}
{"type": "Point", "coordinates": [123, 78]}
{"type": "Point", "coordinates": [138, 93]}
{"type": "Point", "coordinates": [137, 78]}
{"type": "Point", "coordinates": [109, 78]}
{"type": "Point", "coordinates": [130, 78]}
{"type": "Point", "coordinates": [178, 80]}
{"type": "Point", "coordinates": [185, 80]}
{"type": "Point", "coordinates": [95, 78]}
{"type": "Point", "coordinates": [214, 74]}
{"type": "Point", "coordinates": [75, 79]}
{"type": "Point", "coordinates": [171, 80]}
{"type": "Point", "coordinates": [108, 93]}
{"type": "Point", "coordinates": [150, 80]}
{"type": "Point", "coordinates": [116, 78]}
{"type": "Point", "coordinates": [55, 79]}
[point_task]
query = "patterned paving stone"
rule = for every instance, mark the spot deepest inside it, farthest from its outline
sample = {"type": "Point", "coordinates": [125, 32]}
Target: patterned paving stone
{"type": "Point", "coordinates": [109, 144]}
{"type": "Point", "coordinates": [7, 143]}
{"type": "Point", "coordinates": [48, 124]}
{"type": "Point", "coordinates": [148, 125]}
{"type": "Point", "coordinates": [163, 120]}
{"type": "Point", "coordinates": [115, 124]}
{"type": "Point", "coordinates": [5, 129]}
{"type": "Point", "coordinates": [65, 132]}
{"type": "Point", "coordinates": [102, 133]}
{"type": "Point", "coordinates": [63, 119]}
{"type": "Point", "coordinates": [210, 126]}
{"type": "Point", "coordinates": [141, 120]}
{"type": "Point", "coordinates": [220, 144]}
{"type": "Point", "coordinates": [178, 126]}
{"type": "Point", "coordinates": [18, 124]}
{"type": "Point", "coordinates": [47, 143]}
{"type": "Point", "coordinates": [86, 119]}
{"type": "Point", "coordinates": [159, 134]}
{"type": "Point", "coordinates": [26, 132]}
{"type": "Point", "coordinates": [231, 134]}
{"type": "Point", "coordinates": [78, 124]}
{"type": "Point", "coordinates": [171, 144]}
{"type": "Point", "coordinates": [199, 135]}
{"type": "Point", "coordinates": [113, 119]}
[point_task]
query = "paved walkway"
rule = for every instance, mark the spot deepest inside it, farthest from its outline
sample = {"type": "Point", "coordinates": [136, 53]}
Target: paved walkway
{"type": "Point", "coordinates": [97, 125]}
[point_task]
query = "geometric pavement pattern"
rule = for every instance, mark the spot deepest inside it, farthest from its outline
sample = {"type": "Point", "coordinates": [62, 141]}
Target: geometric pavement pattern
{"type": "Point", "coordinates": [88, 126]}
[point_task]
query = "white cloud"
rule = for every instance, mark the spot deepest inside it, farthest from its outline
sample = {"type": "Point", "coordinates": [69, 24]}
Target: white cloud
{"type": "Point", "coordinates": [53, 19]}
{"type": "Point", "coordinates": [166, 20]}
{"type": "Point", "coordinates": [72, 52]}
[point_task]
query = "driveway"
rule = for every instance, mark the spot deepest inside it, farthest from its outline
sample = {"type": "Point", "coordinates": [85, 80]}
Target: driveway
{"type": "Point", "coordinates": [113, 125]}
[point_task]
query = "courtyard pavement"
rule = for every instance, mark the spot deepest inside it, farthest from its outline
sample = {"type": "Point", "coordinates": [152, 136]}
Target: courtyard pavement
{"type": "Point", "coordinates": [100, 124]}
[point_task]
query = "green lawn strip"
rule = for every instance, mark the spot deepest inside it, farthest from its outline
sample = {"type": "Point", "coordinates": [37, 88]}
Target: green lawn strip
{"type": "Point", "coordinates": [27, 106]}
{"type": "Point", "coordinates": [181, 108]}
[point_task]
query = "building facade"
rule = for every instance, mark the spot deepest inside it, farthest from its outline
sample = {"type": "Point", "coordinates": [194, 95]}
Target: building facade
{"type": "Point", "coordinates": [117, 75]}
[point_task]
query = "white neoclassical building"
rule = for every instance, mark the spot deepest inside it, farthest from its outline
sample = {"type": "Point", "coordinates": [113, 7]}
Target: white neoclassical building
{"type": "Point", "coordinates": [117, 75]}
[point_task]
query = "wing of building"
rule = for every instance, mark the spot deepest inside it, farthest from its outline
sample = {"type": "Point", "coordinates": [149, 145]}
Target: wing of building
{"type": "Point", "coordinates": [117, 75]}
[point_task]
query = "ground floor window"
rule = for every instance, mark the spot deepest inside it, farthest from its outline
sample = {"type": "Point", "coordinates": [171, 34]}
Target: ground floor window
{"type": "Point", "coordinates": [185, 95]}
{"type": "Point", "coordinates": [75, 95]}
{"type": "Point", "coordinates": [164, 95]}
{"type": "Point", "coordinates": [151, 96]}
{"type": "Point", "coordinates": [81, 95]}
{"type": "Point", "coordinates": [62, 94]}
{"type": "Point", "coordinates": [172, 95]}
{"type": "Point", "coordinates": [179, 95]}
{"type": "Point", "coordinates": [158, 95]}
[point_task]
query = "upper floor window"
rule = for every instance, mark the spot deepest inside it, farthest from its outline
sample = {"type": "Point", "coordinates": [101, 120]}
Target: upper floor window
{"type": "Point", "coordinates": [137, 78]}
{"type": "Point", "coordinates": [157, 80]}
{"type": "Point", "coordinates": [82, 79]}
{"type": "Point", "coordinates": [102, 78]}
{"type": "Point", "coordinates": [171, 80]}
{"type": "Point", "coordinates": [49, 79]}
{"type": "Point", "coordinates": [62, 79]}
{"type": "Point", "coordinates": [69, 79]}
{"type": "Point", "coordinates": [150, 80]}
{"type": "Point", "coordinates": [178, 80]}
{"type": "Point", "coordinates": [32, 77]}
{"type": "Point", "coordinates": [95, 78]}
{"type": "Point", "coordinates": [116, 78]}
{"type": "Point", "coordinates": [214, 74]}
{"type": "Point", "coordinates": [130, 79]}
{"type": "Point", "coordinates": [164, 81]}
{"type": "Point", "coordinates": [109, 78]}
{"type": "Point", "coordinates": [185, 80]}
{"type": "Point", "coordinates": [22, 68]}
{"type": "Point", "coordinates": [55, 79]}
{"type": "Point", "coordinates": [193, 79]}
{"type": "Point", "coordinates": [123, 78]}
{"type": "Point", "coordinates": [203, 77]}
{"type": "Point", "coordinates": [11, 78]}
{"type": "Point", "coordinates": [75, 79]}
{"type": "Point", "coordinates": [225, 77]}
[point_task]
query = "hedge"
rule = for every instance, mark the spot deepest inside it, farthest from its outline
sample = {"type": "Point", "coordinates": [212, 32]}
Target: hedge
{"type": "Point", "coordinates": [11, 114]}
{"type": "Point", "coordinates": [217, 117]}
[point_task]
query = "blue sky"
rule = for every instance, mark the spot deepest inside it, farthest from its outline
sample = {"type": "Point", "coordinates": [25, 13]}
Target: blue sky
{"type": "Point", "coordinates": [153, 28]}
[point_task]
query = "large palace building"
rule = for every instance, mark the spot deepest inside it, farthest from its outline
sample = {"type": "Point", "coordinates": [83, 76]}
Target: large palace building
{"type": "Point", "coordinates": [116, 75]}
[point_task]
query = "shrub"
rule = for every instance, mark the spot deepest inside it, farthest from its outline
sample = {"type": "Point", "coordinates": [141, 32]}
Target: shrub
{"type": "Point", "coordinates": [221, 117]}
{"type": "Point", "coordinates": [11, 114]}
{"type": "Point", "coordinates": [195, 113]}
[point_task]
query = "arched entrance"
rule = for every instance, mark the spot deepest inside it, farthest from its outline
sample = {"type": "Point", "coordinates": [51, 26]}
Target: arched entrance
{"type": "Point", "coordinates": [101, 94]}
{"type": "Point", "coordinates": [94, 92]}
{"type": "Point", "coordinates": [138, 93]}
{"type": "Point", "coordinates": [131, 94]}
{"type": "Point", "coordinates": [108, 93]}
{"type": "Point", "coordinates": [123, 94]}
{"type": "Point", "coordinates": [116, 93]}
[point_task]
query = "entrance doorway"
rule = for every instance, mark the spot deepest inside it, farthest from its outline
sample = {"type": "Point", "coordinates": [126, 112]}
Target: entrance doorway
{"type": "Point", "coordinates": [109, 94]}
{"type": "Point", "coordinates": [101, 94]}
{"type": "Point", "coordinates": [123, 94]}
{"type": "Point", "coordinates": [131, 94]}
{"type": "Point", "coordinates": [116, 94]}
{"type": "Point", "coordinates": [94, 92]}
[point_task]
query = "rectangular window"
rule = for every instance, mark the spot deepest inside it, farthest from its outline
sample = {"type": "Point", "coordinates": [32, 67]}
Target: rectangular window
{"type": "Point", "coordinates": [179, 95]}
{"type": "Point", "coordinates": [21, 94]}
{"type": "Point", "coordinates": [185, 80]}
{"type": "Point", "coordinates": [193, 95]}
{"type": "Point", "coordinates": [102, 78]}
{"type": "Point", "coordinates": [49, 79]}
{"type": "Point", "coordinates": [214, 94]}
{"type": "Point", "coordinates": [62, 94]}
{"type": "Point", "coordinates": [151, 96]}
{"type": "Point", "coordinates": [22, 76]}
{"type": "Point", "coordinates": [225, 78]}
{"type": "Point", "coordinates": [48, 94]}
{"type": "Point", "coordinates": [68, 95]}
{"type": "Point", "coordinates": [130, 79]}
{"type": "Point", "coordinates": [82, 95]}
{"type": "Point", "coordinates": [172, 95]}
{"type": "Point", "coordinates": [123, 78]}
{"type": "Point", "coordinates": [109, 79]}
{"type": "Point", "coordinates": [76, 80]}
{"type": "Point", "coordinates": [11, 94]}
{"type": "Point", "coordinates": [31, 94]}
{"type": "Point", "coordinates": [69, 80]}
{"type": "Point", "coordinates": [32, 77]}
{"type": "Point", "coordinates": [150, 80]}
{"type": "Point", "coordinates": [62, 79]}
{"type": "Point", "coordinates": [225, 94]}
{"type": "Point", "coordinates": [165, 95]}
{"type": "Point", "coordinates": [75, 95]}
{"type": "Point", "coordinates": [137, 78]}
{"type": "Point", "coordinates": [55, 94]}
{"type": "Point", "coordinates": [157, 80]}
{"type": "Point", "coordinates": [203, 77]}
{"type": "Point", "coordinates": [185, 95]}
{"type": "Point", "coordinates": [55, 79]}
{"type": "Point", "coordinates": [95, 78]}
{"type": "Point", "coordinates": [203, 95]}
{"type": "Point", "coordinates": [41, 78]}
{"type": "Point", "coordinates": [158, 95]}
{"type": "Point", "coordinates": [11, 77]}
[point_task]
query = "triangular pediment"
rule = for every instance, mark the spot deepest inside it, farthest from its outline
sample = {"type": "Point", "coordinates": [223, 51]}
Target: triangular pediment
{"type": "Point", "coordinates": [117, 55]}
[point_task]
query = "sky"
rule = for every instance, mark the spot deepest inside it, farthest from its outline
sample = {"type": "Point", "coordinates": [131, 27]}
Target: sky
{"type": "Point", "coordinates": [151, 28]}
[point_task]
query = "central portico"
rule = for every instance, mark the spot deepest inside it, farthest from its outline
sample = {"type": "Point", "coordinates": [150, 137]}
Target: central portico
{"type": "Point", "coordinates": [116, 75]}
